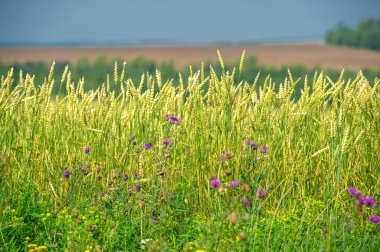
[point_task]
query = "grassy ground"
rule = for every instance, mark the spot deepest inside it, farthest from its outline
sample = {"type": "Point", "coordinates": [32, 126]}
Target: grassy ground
{"type": "Point", "coordinates": [77, 173]}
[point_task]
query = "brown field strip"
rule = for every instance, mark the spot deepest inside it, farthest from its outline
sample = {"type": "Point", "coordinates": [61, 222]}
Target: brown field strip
{"type": "Point", "coordinates": [276, 55]}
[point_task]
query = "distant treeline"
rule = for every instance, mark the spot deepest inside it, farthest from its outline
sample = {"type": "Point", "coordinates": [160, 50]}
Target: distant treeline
{"type": "Point", "coordinates": [95, 73]}
{"type": "Point", "coordinates": [365, 35]}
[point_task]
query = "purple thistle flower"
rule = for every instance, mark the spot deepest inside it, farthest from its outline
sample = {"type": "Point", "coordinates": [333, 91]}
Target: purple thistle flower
{"type": "Point", "coordinates": [264, 149]}
{"type": "Point", "coordinates": [135, 175]}
{"type": "Point", "coordinates": [367, 201]}
{"type": "Point", "coordinates": [126, 176]}
{"type": "Point", "coordinates": [362, 201]}
{"type": "Point", "coordinates": [222, 158]}
{"type": "Point", "coordinates": [147, 146]}
{"type": "Point", "coordinates": [138, 188]}
{"type": "Point", "coordinates": [234, 183]}
{"type": "Point", "coordinates": [167, 143]}
{"type": "Point", "coordinates": [173, 119]}
{"type": "Point", "coordinates": [374, 219]}
{"type": "Point", "coordinates": [370, 201]}
{"type": "Point", "coordinates": [215, 183]}
{"type": "Point", "coordinates": [167, 117]}
{"type": "Point", "coordinates": [154, 217]}
{"type": "Point", "coordinates": [86, 149]}
{"type": "Point", "coordinates": [246, 202]}
{"type": "Point", "coordinates": [252, 144]}
{"type": "Point", "coordinates": [354, 192]}
{"type": "Point", "coordinates": [66, 173]}
{"type": "Point", "coordinates": [261, 193]}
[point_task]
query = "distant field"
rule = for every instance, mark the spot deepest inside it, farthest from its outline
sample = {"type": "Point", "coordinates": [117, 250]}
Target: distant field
{"type": "Point", "coordinates": [310, 55]}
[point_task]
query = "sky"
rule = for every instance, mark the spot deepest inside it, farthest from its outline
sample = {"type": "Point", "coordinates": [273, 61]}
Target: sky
{"type": "Point", "coordinates": [45, 22]}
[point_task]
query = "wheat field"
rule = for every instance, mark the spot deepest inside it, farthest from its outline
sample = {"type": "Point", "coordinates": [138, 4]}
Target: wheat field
{"type": "Point", "coordinates": [206, 164]}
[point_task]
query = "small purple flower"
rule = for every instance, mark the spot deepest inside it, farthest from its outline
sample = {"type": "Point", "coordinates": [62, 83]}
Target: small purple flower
{"type": "Point", "coordinates": [252, 144]}
{"type": "Point", "coordinates": [362, 201]}
{"type": "Point", "coordinates": [175, 120]}
{"type": "Point", "coordinates": [86, 149]}
{"type": "Point", "coordinates": [138, 188]}
{"type": "Point", "coordinates": [370, 201]}
{"type": "Point", "coordinates": [66, 173]}
{"type": "Point", "coordinates": [222, 158]}
{"type": "Point", "coordinates": [167, 143]}
{"type": "Point", "coordinates": [246, 202]}
{"type": "Point", "coordinates": [135, 175]}
{"type": "Point", "coordinates": [215, 183]}
{"type": "Point", "coordinates": [367, 201]}
{"type": "Point", "coordinates": [147, 146]}
{"type": "Point", "coordinates": [126, 176]}
{"type": "Point", "coordinates": [234, 183]}
{"type": "Point", "coordinates": [167, 117]}
{"type": "Point", "coordinates": [354, 192]}
{"type": "Point", "coordinates": [264, 149]}
{"type": "Point", "coordinates": [374, 219]}
{"type": "Point", "coordinates": [261, 193]}
{"type": "Point", "coordinates": [154, 217]}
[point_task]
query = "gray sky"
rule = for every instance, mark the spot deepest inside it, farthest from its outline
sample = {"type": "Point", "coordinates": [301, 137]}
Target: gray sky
{"type": "Point", "coordinates": [175, 21]}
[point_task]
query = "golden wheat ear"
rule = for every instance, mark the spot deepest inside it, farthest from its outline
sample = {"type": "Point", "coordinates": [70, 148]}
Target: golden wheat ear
{"type": "Point", "coordinates": [241, 64]}
{"type": "Point", "coordinates": [220, 59]}
{"type": "Point", "coordinates": [115, 73]}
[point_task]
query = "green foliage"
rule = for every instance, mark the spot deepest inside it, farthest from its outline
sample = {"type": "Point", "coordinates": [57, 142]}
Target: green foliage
{"type": "Point", "coordinates": [366, 35]}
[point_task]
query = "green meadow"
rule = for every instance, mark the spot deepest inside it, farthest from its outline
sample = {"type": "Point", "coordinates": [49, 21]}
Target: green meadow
{"type": "Point", "coordinates": [209, 161]}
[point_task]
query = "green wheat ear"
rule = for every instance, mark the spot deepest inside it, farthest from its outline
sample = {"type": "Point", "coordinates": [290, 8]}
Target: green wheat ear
{"type": "Point", "coordinates": [220, 60]}
{"type": "Point", "coordinates": [115, 73]}
{"type": "Point", "coordinates": [158, 78]}
{"type": "Point", "coordinates": [51, 73]}
{"type": "Point", "coordinates": [241, 63]}
{"type": "Point", "coordinates": [64, 74]}
{"type": "Point", "coordinates": [122, 73]}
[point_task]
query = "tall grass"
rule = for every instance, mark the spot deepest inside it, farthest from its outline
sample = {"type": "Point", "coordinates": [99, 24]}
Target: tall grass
{"type": "Point", "coordinates": [319, 145]}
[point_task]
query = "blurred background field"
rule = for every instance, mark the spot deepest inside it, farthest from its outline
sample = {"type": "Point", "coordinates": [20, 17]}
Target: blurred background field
{"type": "Point", "coordinates": [304, 37]}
